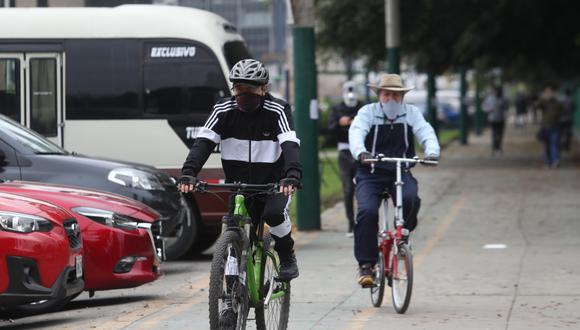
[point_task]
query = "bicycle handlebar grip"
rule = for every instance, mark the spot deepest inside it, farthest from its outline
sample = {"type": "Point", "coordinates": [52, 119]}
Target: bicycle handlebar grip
{"type": "Point", "coordinates": [200, 186]}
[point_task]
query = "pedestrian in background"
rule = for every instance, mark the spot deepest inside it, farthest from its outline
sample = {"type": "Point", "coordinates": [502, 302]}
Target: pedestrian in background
{"type": "Point", "coordinates": [521, 103]}
{"type": "Point", "coordinates": [338, 124]}
{"type": "Point", "coordinates": [550, 126]}
{"type": "Point", "coordinates": [496, 106]}
{"type": "Point", "coordinates": [567, 120]}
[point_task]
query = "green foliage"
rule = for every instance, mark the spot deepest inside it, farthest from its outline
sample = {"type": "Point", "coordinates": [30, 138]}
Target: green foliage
{"type": "Point", "coordinates": [352, 29]}
{"type": "Point", "coordinates": [530, 40]}
{"type": "Point", "coordinates": [330, 185]}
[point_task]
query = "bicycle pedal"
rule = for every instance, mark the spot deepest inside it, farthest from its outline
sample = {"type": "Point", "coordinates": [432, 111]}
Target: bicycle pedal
{"type": "Point", "coordinates": [281, 280]}
{"type": "Point", "coordinates": [369, 286]}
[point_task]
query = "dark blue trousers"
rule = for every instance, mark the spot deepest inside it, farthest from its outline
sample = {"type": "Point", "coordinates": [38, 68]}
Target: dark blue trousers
{"type": "Point", "coordinates": [369, 188]}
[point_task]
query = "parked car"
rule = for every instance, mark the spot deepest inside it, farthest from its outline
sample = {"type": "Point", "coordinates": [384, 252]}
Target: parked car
{"type": "Point", "coordinates": [26, 155]}
{"type": "Point", "coordinates": [119, 246]}
{"type": "Point", "coordinates": [40, 256]}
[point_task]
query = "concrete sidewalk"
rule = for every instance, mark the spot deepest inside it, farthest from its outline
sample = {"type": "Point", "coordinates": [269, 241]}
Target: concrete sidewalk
{"type": "Point", "coordinates": [470, 201]}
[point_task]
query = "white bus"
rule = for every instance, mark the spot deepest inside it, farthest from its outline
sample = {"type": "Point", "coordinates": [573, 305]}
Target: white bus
{"type": "Point", "coordinates": [132, 82]}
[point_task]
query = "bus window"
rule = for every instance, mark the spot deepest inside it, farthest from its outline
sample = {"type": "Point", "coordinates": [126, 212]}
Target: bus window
{"type": "Point", "coordinates": [235, 51]}
{"type": "Point", "coordinates": [10, 87]}
{"type": "Point", "coordinates": [182, 81]}
{"type": "Point", "coordinates": [43, 96]}
{"type": "Point", "coordinates": [182, 88]}
{"type": "Point", "coordinates": [103, 79]}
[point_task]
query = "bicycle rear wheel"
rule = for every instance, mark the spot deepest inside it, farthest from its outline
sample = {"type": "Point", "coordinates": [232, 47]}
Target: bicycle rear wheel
{"type": "Point", "coordinates": [402, 279]}
{"type": "Point", "coordinates": [272, 314]}
{"type": "Point", "coordinates": [378, 289]}
{"type": "Point", "coordinates": [228, 296]}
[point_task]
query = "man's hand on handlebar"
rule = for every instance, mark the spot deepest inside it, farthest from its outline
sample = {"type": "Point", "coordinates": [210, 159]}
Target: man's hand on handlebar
{"type": "Point", "coordinates": [364, 156]}
{"type": "Point", "coordinates": [431, 160]}
{"type": "Point", "coordinates": [289, 185]}
{"type": "Point", "coordinates": [186, 183]}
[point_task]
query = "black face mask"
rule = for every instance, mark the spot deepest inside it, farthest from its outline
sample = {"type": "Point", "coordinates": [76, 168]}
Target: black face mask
{"type": "Point", "coordinates": [248, 102]}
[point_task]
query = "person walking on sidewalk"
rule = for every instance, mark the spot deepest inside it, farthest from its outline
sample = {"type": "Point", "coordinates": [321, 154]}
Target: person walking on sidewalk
{"type": "Point", "coordinates": [338, 124]}
{"type": "Point", "coordinates": [496, 107]}
{"type": "Point", "coordinates": [388, 127]}
{"type": "Point", "coordinates": [550, 126]}
{"type": "Point", "coordinates": [521, 103]}
{"type": "Point", "coordinates": [258, 145]}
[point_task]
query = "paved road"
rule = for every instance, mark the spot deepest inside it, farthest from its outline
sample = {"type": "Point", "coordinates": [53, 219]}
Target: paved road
{"type": "Point", "coordinates": [470, 201]}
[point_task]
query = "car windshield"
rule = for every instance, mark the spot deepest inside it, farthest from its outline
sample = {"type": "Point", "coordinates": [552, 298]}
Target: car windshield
{"type": "Point", "coordinates": [28, 138]}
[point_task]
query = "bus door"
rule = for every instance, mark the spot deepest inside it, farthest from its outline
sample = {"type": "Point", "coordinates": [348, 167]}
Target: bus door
{"type": "Point", "coordinates": [11, 87]}
{"type": "Point", "coordinates": [31, 91]}
{"type": "Point", "coordinates": [44, 106]}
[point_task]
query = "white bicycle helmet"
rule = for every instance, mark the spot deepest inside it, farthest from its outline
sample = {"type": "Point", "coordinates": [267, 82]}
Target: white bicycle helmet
{"type": "Point", "coordinates": [249, 71]}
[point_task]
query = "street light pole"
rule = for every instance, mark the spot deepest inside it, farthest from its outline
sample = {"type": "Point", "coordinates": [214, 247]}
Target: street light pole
{"type": "Point", "coordinates": [432, 101]}
{"type": "Point", "coordinates": [463, 119]}
{"type": "Point", "coordinates": [392, 33]}
{"type": "Point", "coordinates": [306, 114]}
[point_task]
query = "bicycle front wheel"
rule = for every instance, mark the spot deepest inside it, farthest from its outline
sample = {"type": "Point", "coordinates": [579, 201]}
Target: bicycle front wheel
{"type": "Point", "coordinates": [228, 296]}
{"type": "Point", "coordinates": [402, 282]}
{"type": "Point", "coordinates": [378, 289]}
{"type": "Point", "coordinates": [273, 313]}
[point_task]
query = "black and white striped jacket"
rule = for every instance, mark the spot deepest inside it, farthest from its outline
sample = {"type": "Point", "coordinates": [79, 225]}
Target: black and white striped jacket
{"type": "Point", "coordinates": [256, 147]}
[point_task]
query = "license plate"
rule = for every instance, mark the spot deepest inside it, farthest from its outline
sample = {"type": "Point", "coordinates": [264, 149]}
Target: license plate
{"type": "Point", "coordinates": [79, 266]}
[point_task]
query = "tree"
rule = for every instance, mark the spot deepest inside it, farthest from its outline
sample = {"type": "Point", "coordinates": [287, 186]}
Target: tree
{"type": "Point", "coordinates": [352, 29]}
{"type": "Point", "coordinates": [531, 40]}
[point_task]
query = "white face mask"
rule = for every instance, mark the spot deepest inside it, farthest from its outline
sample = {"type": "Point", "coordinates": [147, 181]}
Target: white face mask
{"type": "Point", "coordinates": [350, 99]}
{"type": "Point", "coordinates": [392, 108]}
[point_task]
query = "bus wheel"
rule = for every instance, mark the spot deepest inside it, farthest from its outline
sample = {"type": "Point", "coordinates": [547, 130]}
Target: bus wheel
{"type": "Point", "coordinates": [181, 241]}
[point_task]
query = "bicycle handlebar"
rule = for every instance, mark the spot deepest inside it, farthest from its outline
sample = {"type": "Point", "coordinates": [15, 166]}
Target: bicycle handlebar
{"type": "Point", "coordinates": [381, 158]}
{"type": "Point", "coordinates": [237, 186]}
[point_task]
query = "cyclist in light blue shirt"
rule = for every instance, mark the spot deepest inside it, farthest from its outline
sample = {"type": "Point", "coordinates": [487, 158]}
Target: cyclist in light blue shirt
{"type": "Point", "coordinates": [387, 127]}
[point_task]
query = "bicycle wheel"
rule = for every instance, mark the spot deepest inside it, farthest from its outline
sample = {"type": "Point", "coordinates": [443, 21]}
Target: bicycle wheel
{"type": "Point", "coordinates": [402, 279]}
{"type": "Point", "coordinates": [228, 296]}
{"type": "Point", "coordinates": [378, 289]}
{"type": "Point", "coordinates": [273, 314]}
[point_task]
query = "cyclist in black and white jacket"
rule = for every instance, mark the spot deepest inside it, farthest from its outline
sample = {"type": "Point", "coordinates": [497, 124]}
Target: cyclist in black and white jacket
{"type": "Point", "coordinates": [258, 145]}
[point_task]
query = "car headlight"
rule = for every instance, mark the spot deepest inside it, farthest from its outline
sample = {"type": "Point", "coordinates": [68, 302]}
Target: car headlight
{"type": "Point", "coordinates": [23, 223]}
{"type": "Point", "coordinates": [130, 177]}
{"type": "Point", "coordinates": [111, 219]}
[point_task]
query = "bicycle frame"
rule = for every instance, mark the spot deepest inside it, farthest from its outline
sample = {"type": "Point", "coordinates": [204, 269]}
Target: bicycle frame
{"type": "Point", "coordinates": [387, 239]}
{"type": "Point", "coordinates": [253, 249]}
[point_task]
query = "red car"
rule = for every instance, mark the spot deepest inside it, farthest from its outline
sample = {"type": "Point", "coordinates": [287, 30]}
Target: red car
{"type": "Point", "coordinates": [41, 252]}
{"type": "Point", "coordinates": [119, 245]}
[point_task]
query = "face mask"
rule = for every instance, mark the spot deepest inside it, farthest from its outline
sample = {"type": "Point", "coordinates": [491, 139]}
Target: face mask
{"type": "Point", "coordinates": [349, 99]}
{"type": "Point", "coordinates": [392, 109]}
{"type": "Point", "coordinates": [248, 102]}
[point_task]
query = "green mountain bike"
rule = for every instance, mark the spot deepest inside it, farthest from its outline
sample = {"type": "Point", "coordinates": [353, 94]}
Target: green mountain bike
{"type": "Point", "coordinates": [245, 268]}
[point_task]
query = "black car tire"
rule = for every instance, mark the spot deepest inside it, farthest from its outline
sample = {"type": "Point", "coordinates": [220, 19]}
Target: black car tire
{"type": "Point", "coordinates": [41, 307]}
{"type": "Point", "coordinates": [186, 232]}
{"type": "Point", "coordinates": [207, 236]}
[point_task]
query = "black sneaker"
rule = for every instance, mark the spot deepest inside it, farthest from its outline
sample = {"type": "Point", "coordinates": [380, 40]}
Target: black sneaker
{"type": "Point", "coordinates": [228, 319]}
{"type": "Point", "coordinates": [365, 275]}
{"type": "Point", "coordinates": [288, 267]}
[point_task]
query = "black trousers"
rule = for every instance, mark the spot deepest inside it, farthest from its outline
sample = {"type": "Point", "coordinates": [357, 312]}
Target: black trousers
{"type": "Point", "coordinates": [347, 165]}
{"type": "Point", "coordinates": [369, 189]}
{"type": "Point", "coordinates": [274, 210]}
{"type": "Point", "coordinates": [497, 129]}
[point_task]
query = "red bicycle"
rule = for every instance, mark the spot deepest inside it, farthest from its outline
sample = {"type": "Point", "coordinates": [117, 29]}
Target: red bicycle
{"type": "Point", "coordinates": [395, 263]}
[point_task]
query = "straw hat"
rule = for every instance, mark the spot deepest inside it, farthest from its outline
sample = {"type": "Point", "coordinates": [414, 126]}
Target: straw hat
{"type": "Point", "coordinates": [391, 82]}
